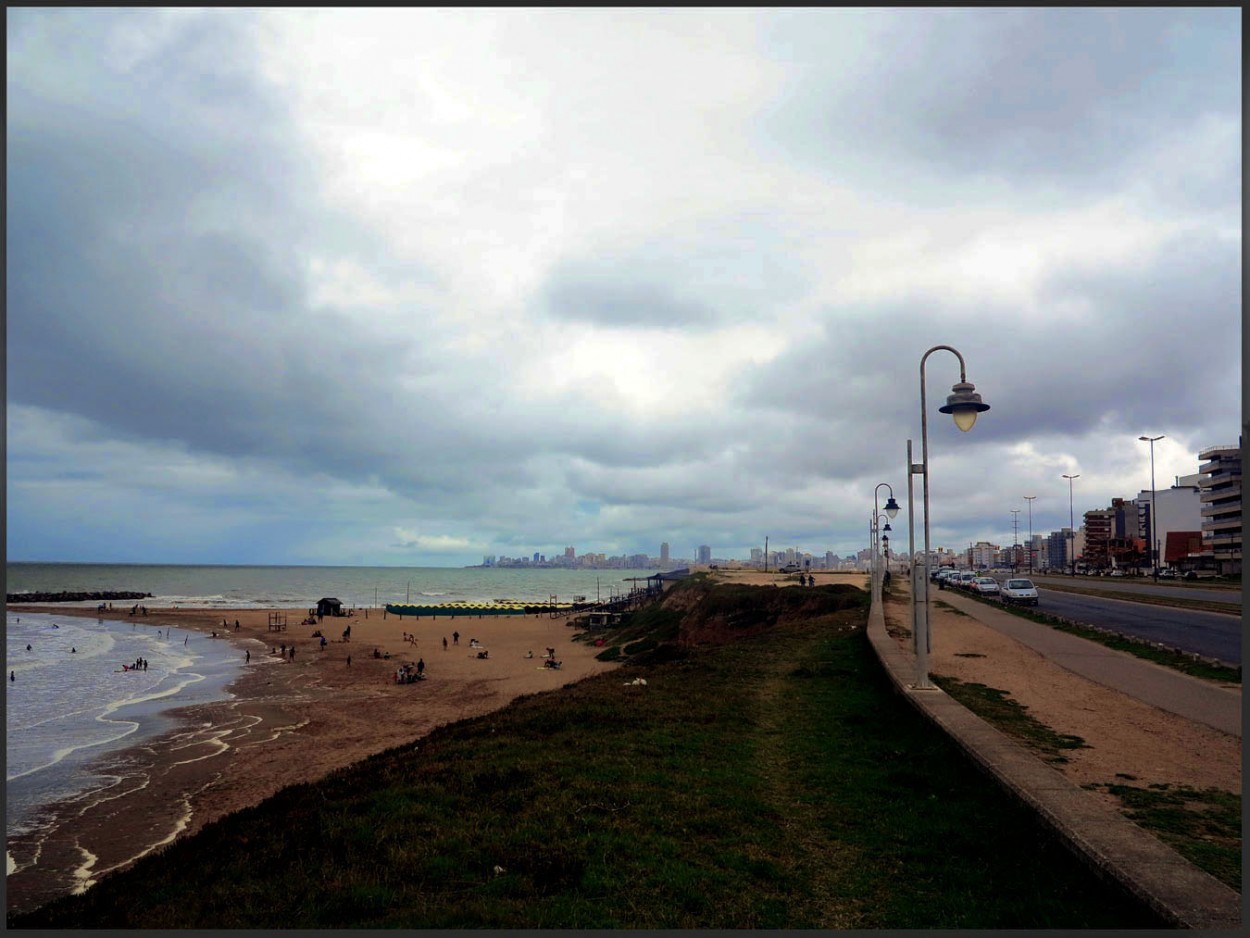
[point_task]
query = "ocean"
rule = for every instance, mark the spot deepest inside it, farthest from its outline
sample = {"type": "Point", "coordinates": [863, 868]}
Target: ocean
{"type": "Point", "coordinates": [297, 587]}
{"type": "Point", "coordinates": [72, 709]}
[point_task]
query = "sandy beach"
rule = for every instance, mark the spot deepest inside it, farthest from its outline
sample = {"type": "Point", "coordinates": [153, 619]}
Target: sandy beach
{"type": "Point", "coordinates": [293, 721]}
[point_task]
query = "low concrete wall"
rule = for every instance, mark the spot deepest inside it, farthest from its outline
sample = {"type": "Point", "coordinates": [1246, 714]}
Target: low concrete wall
{"type": "Point", "coordinates": [1116, 847]}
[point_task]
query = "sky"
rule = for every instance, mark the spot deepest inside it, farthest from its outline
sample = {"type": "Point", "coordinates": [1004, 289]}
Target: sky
{"type": "Point", "coordinates": [413, 287]}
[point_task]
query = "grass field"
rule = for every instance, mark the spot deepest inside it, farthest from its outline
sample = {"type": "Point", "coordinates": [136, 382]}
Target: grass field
{"type": "Point", "coordinates": [769, 779]}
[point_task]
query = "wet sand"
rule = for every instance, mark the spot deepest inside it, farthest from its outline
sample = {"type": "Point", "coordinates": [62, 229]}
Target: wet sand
{"type": "Point", "coordinates": [289, 721]}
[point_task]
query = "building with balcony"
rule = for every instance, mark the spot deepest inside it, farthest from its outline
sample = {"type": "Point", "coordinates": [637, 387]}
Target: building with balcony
{"type": "Point", "coordinates": [1219, 495]}
{"type": "Point", "coordinates": [983, 555]}
{"type": "Point", "coordinates": [1099, 527]}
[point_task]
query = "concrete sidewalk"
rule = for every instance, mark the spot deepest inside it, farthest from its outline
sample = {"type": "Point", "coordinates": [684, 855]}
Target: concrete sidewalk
{"type": "Point", "coordinates": [1192, 698]}
{"type": "Point", "coordinates": [1159, 876]}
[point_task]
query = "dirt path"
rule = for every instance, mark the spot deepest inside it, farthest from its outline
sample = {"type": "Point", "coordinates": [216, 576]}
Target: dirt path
{"type": "Point", "coordinates": [1126, 740]}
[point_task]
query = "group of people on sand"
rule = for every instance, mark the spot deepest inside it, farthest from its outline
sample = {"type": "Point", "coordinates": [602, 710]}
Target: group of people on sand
{"type": "Point", "coordinates": [410, 673]}
{"type": "Point", "coordinates": [137, 610]}
{"type": "Point", "coordinates": [141, 664]}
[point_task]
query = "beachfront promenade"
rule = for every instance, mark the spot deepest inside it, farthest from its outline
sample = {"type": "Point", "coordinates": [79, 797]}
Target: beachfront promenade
{"type": "Point", "coordinates": [1116, 847]}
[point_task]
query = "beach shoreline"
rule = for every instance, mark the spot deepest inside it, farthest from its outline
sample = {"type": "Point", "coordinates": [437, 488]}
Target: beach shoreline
{"type": "Point", "coordinates": [289, 720]}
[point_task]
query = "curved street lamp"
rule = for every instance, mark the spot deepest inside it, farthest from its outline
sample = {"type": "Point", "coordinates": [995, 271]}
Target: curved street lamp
{"type": "Point", "coordinates": [891, 509]}
{"type": "Point", "coordinates": [963, 404]}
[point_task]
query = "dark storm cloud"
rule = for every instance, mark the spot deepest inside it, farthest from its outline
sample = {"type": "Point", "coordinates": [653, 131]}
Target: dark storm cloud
{"type": "Point", "coordinates": [156, 283]}
{"type": "Point", "coordinates": [1038, 95]}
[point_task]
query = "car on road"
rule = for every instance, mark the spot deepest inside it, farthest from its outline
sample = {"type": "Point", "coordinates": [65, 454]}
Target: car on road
{"type": "Point", "coordinates": [985, 585]}
{"type": "Point", "coordinates": [963, 579]}
{"type": "Point", "coordinates": [1168, 574]}
{"type": "Point", "coordinates": [1019, 590]}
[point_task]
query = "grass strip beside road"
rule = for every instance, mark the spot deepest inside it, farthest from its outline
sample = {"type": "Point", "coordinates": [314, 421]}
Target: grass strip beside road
{"type": "Point", "coordinates": [777, 781]}
{"type": "Point", "coordinates": [997, 708]}
{"type": "Point", "coordinates": [1204, 826]}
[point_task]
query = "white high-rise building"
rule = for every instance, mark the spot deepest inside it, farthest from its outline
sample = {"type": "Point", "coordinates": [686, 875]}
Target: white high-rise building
{"type": "Point", "coordinates": [1221, 505]}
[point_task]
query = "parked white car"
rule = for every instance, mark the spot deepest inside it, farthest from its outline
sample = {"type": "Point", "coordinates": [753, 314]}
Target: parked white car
{"type": "Point", "coordinates": [1019, 590]}
{"type": "Point", "coordinates": [985, 585]}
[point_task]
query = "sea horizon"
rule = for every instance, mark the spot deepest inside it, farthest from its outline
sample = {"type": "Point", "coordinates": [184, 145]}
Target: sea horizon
{"type": "Point", "coordinates": [302, 585]}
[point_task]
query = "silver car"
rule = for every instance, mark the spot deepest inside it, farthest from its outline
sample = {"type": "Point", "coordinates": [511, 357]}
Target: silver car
{"type": "Point", "coordinates": [1019, 590]}
{"type": "Point", "coordinates": [985, 585]}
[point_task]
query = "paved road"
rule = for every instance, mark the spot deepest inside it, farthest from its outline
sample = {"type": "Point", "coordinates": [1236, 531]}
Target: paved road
{"type": "Point", "coordinates": [1145, 588]}
{"type": "Point", "coordinates": [1193, 698]}
{"type": "Point", "coordinates": [1210, 634]}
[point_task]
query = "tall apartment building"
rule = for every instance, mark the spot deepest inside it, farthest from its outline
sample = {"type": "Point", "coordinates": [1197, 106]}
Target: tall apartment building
{"type": "Point", "coordinates": [1220, 497]}
{"type": "Point", "coordinates": [1099, 527]}
{"type": "Point", "coordinates": [705, 554]}
{"type": "Point", "coordinates": [1058, 549]}
{"type": "Point", "coordinates": [983, 555]}
{"type": "Point", "coordinates": [664, 553]}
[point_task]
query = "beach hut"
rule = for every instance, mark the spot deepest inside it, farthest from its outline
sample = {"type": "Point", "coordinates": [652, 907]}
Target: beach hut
{"type": "Point", "coordinates": [657, 582]}
{"type": "Point", "coordinates": [329, 607]}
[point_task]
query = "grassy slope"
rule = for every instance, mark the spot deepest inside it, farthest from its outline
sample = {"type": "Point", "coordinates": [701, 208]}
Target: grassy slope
{"type": "Point", "coordinates": [771, 781]}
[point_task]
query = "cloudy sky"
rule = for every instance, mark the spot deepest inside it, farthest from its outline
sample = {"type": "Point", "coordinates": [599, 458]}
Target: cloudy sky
{"type": "Point", "coordinates": [416, 286]}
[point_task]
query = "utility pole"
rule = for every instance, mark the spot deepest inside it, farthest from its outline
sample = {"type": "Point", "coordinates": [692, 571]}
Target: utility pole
{"type": "Point", "coordinates": [765, 553]}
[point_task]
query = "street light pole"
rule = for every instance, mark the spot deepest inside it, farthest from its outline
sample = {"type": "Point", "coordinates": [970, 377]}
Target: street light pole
{"type": "Point", "coordinates": [963, 404]}
{"type": "Point", "coordinates": [1152, 532]}
{"type": "Point", "coordinates": [1071, 523]}
{"type": "Point", "coordinates": [891, 509]}
{"type": "Point", "coordinates": [1015, 538]}
{"type": "Point", "coordinates": [1029, 499]}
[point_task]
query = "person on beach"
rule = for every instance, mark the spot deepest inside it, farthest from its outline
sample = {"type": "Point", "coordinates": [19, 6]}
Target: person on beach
{"type": "Point", "coordinates": [349, 661]}
{"type": "Point", "coordinates": [247, 657]}
{"type": "Point", "coordinates": [444, 643]}
{"type": "Point", "coordinates": [420, 666]}
{"type": "Point", "coordinates": [455, 638]}
{"type": "Point", "coordinates": [292, 652]}
{"type": "Point", "coordinates": [12, 676]}
{"type": "Point", "coordinates": [28, 647]}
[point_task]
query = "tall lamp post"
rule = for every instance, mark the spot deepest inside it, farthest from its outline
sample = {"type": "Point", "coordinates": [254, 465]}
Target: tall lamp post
{"type": "Point", "coordinates": [1152, 532]}
{"type": "Point", "coordinates": [891, 511]}
{"type": "Point", "coordinates": [1015, 538]}
{"type": "Point", "coordinates": [1029, 499]}
{"type": "Point", "coordinates": [963, 404]}
{"type": "Point", "coordinates": [1071, 524]}
{"type": "Point", "coordinates": [874, 549]}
